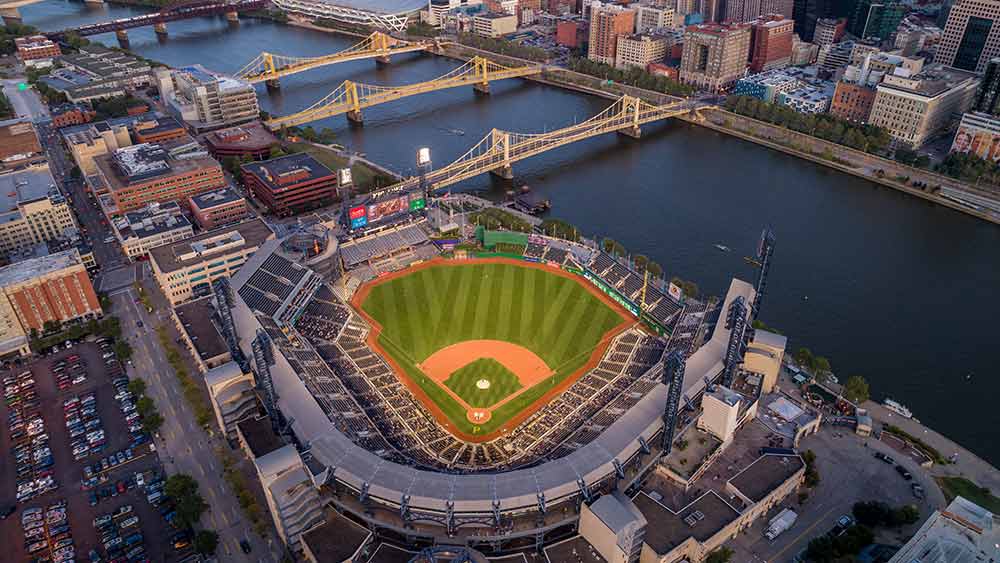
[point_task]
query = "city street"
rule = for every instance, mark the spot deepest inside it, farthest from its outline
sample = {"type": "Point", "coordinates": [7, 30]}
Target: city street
{"type": "Point", "coordinates": [183, 446]}
{"type": "Point", "coordinates": [26, 102]}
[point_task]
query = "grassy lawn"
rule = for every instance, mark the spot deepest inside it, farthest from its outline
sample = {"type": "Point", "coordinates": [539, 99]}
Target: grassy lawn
{"type": "Point", "coordinates": [464, 382]}
{"type": "Point", "coordinates": [366, 179]}
{"type": "Point", "coordinates": [960, 486]}
{"type": "Point", "coordinates": [429, 309]}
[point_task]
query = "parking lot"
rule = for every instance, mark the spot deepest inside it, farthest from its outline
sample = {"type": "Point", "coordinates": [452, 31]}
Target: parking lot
{"type": "Point", "coordinates": [102, 467]}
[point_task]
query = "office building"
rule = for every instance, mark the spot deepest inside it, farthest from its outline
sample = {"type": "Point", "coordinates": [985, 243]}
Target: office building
{"type": "Point", "coordinates": [745, 11]}
{"type": "Point", "coordinates": [32, 210]}
{"type": "Point", "coordinates": [913, 36]}
{"type": "Point", "coordinates": [978, 134]}
{"type": "Point", "coordinates": [855, 92]}
{"type": "Point", "coordinates": [915, 108]}
{"type": "Point", "coordinates": [154, 225]}
{"type": "Point", "coordinates": [715, 55]}
{"type": "Point", "coordinates": [770, 43]}
{"type": "Point", "coordinates": [158, 130]}
{"type": "Point", "coordinates": [251, 140]}
{"type": "Point", "coordinates": [36, 50]}
{"type": "Point", "coordinates": [876, 18]}
{"type": "Point", "coordinates": [852, 101]}
{"type": "Point", "coordinates": [207, 100]}
{"type": "Point", "coordinates": [807, 13]}
{"type": "Point", "coordinates": [141, 174]}
{"type": "Point", "coordinates": [835, 56]}
{"type": "Point", "coordinates": [19, 143]}
{"type": "Point", "coordinates": [652, 18]}
{"type": "Point", "coordinates": [290, 184]}
{"type": "Point", "coordinates": [97, 72]}
{"type": "Point", "coordinates": [988, 97]}
{"type": "Point", "coordinates": [98, 139]}
{"type": "Point", "coordinates": [186, 269]}
{"type": "Point", "coordinates": [962, 532]}
{"type": "Point", "coordinates": [971, 36]}
{"type": "Point", "coordinates": [829, 30]}
{"type": "Point", "coordinates": [219, 207]}
{"type": "Point", "coordinates": [607, 23]}
{"type": "Point", "coordinates": [803, 52]}
{"type": "Point", "coordinates": [640, 50]}
{"type": "Point", "coordinates": [494, 24]}
{"type": "Point", "coordinates": [53, 288]}
{"type": "Point", "coordinates": [572, 33]}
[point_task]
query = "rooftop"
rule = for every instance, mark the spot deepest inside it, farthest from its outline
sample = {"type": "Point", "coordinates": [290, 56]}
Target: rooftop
{"type": "Point", "coordinates": [337, 539]}
{"type": "Point", "coordinates": [931, 82]}
{"type": "Point", "coordinates": [20, 272]}
{"type": "Point", "coordinates": [379, 6]}
{"type": "Point", "coordinates": [152, 220]}
{"type": "Point", "coordinates": [141, 163]}
{"type": "Point", "coordinates": [700, 519]}
{"type": "Point", "coordinates": [173, 257]}
{"type": "Point", "coordinates": [202, 75]}
{"type": "Point", "coordinates": [215, 198]}
{"type": "Point", "coordinates": [24, 186]}
{"type": "Point", "coordinates": [766, 474]}
{"type": "Point", "coordinates": [576, 550]}
{"type": "Point", "coordinates": [964, 532]}
{"type": "Point", "coordinates": [196, 322]}
{"type": "Point", "coordinates": [279, 173]}
{"type": "Point", "coordinates": [259, 436]}
{"type": "Point", "coordinates": [252, 136]}
{"type": "Point", "coordinates": [155, 125]}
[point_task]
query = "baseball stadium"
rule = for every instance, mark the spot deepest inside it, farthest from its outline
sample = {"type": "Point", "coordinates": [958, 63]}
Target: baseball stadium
{"type": "Point", "coordinates": [478, 393]}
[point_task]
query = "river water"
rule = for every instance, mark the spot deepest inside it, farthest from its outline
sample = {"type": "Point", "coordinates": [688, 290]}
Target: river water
{"type": "Point", "coordinates": [887, 286]}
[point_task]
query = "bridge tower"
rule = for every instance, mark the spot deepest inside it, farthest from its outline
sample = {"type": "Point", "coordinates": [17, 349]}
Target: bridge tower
{"type": "Point", "coordinates": [160, 29]}
{"type": "Point", "coordinates": [482, 85]}
{"type": "Point", "coordinates": [501, 144]}
{"type": "Point", "coordinates": [233, 17]}
{"type": "Point", "coordinates": [632, 110]}
{"type": "Point", "coordinates": [10, 15]}
{"type": "Point", "coordinates": [269, 69]}
{"type": "Point", "coordinates": [122, 36]}
{"type": "Point", "coordinates": [354, 101]}
{"type": "Point", "coordinates": [381, 43]}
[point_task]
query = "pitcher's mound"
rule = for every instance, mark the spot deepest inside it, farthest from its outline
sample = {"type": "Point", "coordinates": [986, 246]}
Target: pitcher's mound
{"type": "Point", "coordinates": [478, 416]}
{"type": "Point", "coordinates": [483, 384]}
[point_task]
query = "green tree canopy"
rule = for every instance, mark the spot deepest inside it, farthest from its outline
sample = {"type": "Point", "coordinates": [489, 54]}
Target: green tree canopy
{"type": "Point", "coordinates": [856, 389]}
{"type": "Point", "coordinates": [183, 489]}
{"type": "Point", "coordinates": [206, 542]}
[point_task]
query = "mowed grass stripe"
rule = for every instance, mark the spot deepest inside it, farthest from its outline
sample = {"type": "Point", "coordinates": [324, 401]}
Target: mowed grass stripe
{"type": "Point", "coordinates": [445, 302]}
{"type": "Point", "coordinates": [505, 310]}
{"type": "Point", "coordinates": [552, 323]}
{"type": "Point", "coordinates": [414, 309]}
{"type": "Point", "coordinates": [483, 312]}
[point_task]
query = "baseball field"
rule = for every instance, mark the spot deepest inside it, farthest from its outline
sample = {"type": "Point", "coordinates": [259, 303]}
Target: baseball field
{"type": "Point", "coordinates": [484, 343]}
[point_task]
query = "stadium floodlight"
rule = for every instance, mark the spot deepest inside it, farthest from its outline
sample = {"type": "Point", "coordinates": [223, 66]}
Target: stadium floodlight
{"type": "Point", "coordinates": [344, 176]}
{"type": "Point", "coordinates": [423, 156]}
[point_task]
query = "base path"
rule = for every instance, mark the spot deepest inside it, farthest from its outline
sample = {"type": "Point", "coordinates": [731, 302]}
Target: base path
{"type": "Point", "coordinates": [595, 356]}
{"type": "Point", "coordinates": [520, 361]}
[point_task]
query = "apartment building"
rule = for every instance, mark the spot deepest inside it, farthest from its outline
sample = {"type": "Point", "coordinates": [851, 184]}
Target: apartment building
{"type": "Point", "coordinates": [207, 100]}
{"type": "Point", "coordinates": [32, 210]}
{"type": "Point", "coordinates": [829, 30]}
{"type": "Point", "coordinates": [186, 269]}
{"type": "Point", "coordinates": [608, 22]}
{"type": "Point", "coordinates": [715, 55]}
{"type": "Point", "coordinates": [914, 108]}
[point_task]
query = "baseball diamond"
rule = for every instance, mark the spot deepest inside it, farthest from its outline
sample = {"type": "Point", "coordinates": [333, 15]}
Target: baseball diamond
{"type": "Point", "coordinates": [488, 340]}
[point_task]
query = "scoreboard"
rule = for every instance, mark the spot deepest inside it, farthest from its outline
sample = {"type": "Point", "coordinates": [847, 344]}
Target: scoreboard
{"type": "Point", "coordinates": [363, 213]}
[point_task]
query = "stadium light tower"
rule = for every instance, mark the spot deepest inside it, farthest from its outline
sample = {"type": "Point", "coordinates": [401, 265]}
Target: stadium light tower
{"type": "Point", "coordinates": [673, 375]}
{"type": "Point", "coordinates": [423, 167]}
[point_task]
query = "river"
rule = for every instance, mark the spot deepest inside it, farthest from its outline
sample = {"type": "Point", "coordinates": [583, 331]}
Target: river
{"type": "Point", "coordinates": [886, 285]}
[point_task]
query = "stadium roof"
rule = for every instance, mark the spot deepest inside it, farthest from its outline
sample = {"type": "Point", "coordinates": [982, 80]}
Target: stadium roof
{"type": "Point", "coordinates": [379, 6]}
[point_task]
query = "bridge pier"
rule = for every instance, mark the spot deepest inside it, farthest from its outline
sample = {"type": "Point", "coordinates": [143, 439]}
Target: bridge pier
{"type": "Point", "coordinates": [233, 17]}
{"type": "Point", "coordinates": [633, 131]}
{"type": "Point", "coordinates": [160, 29]}
{"type": "Point", "coordinates": [382, 60]}
{"type": "Point", "coordinates": [10, 15]}
{"type": "Point", "coordinates": [96, 2]}
{"type": "Point", "coordinates": [354, 117]}
{"type": "Point", "coordinates": [482, 88]}
{"type": "Point", "coordinates": [122, 36]}
{"type": "Point", "coordinates": [272, 84]}
{"type": "Point", "coordinates": [505, 171]}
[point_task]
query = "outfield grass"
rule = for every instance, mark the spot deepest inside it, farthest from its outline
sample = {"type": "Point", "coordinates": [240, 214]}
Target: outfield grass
{"type": "Point", "coordinates": [429, 309]}
{"type": "Point", "coordinates": [464, 382]}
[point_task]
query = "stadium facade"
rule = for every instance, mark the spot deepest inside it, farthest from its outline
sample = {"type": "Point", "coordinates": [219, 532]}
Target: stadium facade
{"type": "Point", "coordinates": [391, 15]}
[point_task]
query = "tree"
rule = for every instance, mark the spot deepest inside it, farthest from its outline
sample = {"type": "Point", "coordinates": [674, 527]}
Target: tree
{"type": "Point", "coordinates": [654, 269]}
{"type": "Point", "coordinates": [123, 350]}
{"type": "Point", "coordinates": [856, 389]}
{"type": "Point", "coordinates": [145, 406]}
{"type": "Point", "coordinates": [206, 541]}
{"type": "Point", "coordinates": [137, 387]}
{"type": "Point", "coordinates": [183, 489]}
{"type": "Point", "coordinates": [721, 555]}
{"type": "Point", "coordinates": [75, 173]}
{"type": "Point", "coordinates": [152, 422]}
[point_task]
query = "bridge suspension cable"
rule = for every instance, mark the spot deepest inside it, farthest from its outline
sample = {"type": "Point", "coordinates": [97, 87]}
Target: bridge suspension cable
{"type": "Point", "coordinates": [499, 149]}
{"type": "Point", "coordinates": [351, 97]}
{"type": "Point", "coordinates": [271, 66]}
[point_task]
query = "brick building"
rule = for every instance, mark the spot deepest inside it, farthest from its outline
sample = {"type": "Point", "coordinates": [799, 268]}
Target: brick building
{"type": "Point", "coordinates": [50, 288]}
{"type": "Point", "coordinates": [771, 43]}
{"type": "Point", "coordinates": [158, 130]}
{"type": "Point", "coordinates": [71, 114]}
{"type": "Point", "coordinates": [36, 48]}
{"type": "Point", "coordinates": [715, 55]}
{"type": "Point", "coordinates": [292, 183]}
{"type": "Point", "coordinates": [141, 174]}
{"type": "Point", "coordinates": [217, 208]}
{"type": "Point", "coordinates": [852, 101]}
{"type": "Point", "coordinates": [607, 24]}
{"type": "Point", "coordinates": [252, 140]}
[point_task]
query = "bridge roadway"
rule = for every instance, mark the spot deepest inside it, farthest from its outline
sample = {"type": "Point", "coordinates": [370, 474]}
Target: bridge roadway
{"type": "Point", "coordinates": [499, 149]}
{"type": "Point", "coordinates": [450, 499]}
{"type": "Point", "coordinates": [351, 97]}
{"type": "Point", "coordinates": [177, 11]}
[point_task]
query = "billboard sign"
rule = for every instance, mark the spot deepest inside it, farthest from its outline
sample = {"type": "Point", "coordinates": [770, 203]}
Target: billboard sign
{"type": "Point", "coordinates": [417, 201]}
{"type": "Point", "coordinates": [358, 216]}
{"type": "Point", "coordinates": [675, 292]}
{"type": "Point", "coordinates": [980, 141]}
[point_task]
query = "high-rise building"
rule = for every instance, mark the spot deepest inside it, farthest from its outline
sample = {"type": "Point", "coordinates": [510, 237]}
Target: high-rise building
{"type": "Point", "coordinates": [750, 10]}
{"type": "Point", "coordinates": [808, 12]}
{"type": "Point", "coordinates": [770, 43]}
{"type": "Point", "coordinates": [207, 100]}
{"type": "Point", "coordinates": [914, 108]}
{"type": "Point", "coordinates": [640, 50]}
{"type": "Point", "coordinates": [32, 210]}
{"type": "Point", "coordinates": [651, 18]}
{"type": "Point", "coordinates": [829, 30]}
{"type": "Point", "coordinates": [876, 18]}
{"type": "Point", "coordinates": [972, 35]}
{"type": "Point", "coordinates": [715, 55]}
{"type": "Point", "coordinates": [988, 97]}
{"type": "Point", "coordinates": [607, 23]}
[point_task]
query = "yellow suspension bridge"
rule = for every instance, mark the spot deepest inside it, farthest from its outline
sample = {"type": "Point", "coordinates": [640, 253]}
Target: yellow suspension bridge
{"type": "Point", "coordinates": [269, 67]}
{"type": "Point", "coordinates": [499, 149]}
{"type": "Point", "coordinates": [351, 97]}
